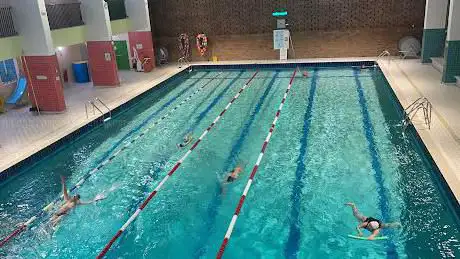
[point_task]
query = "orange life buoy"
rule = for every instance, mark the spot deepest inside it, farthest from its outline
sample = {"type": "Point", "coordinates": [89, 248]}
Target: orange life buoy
{"type": "Point", "coordinates": [202, 43]}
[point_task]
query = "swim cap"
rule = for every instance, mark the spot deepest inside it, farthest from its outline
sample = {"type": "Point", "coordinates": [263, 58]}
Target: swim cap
{"type": "Point", "coordinates": [374, 225]}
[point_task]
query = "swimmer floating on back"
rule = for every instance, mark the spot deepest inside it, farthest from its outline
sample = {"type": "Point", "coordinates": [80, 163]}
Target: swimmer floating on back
{"type": "Point", "coordinates": [186, 141]}
{"type": "Point", "coordinates": [70, 203]}
{"type": "Point", "coordinates": [373, 225]}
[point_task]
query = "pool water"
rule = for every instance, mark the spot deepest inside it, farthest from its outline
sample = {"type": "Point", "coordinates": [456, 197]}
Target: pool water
{"type": "Point", "coordinates": [338, 139]}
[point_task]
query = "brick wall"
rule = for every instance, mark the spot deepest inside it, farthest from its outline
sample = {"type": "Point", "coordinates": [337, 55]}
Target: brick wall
{"type": "Point", "coordinates": [238, 17]}
{"type": "Point", "coordinates": [45, 91]}
{"type": "Point", "coordinates": [103, 72]}
{"type": "Point", "coordinates": [142, 42]}
{"type": "Point", "coordinates": [313, 44]}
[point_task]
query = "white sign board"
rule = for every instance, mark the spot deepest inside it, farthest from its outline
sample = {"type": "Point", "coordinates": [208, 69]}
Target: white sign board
{"type": "Point", "coordinates": [107, 56]}
{"type": "Point", "coordinates": [281, 39]}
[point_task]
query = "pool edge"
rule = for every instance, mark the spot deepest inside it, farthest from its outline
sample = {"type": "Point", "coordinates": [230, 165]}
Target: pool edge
{"type": "Point", "coordinates": [444, 173]}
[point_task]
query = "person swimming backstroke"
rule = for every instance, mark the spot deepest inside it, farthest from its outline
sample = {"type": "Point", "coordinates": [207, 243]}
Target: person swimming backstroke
{"type": "Point", "coordinates": [371, 224]}
{"type": "Point", "coordinates": [69, 204]}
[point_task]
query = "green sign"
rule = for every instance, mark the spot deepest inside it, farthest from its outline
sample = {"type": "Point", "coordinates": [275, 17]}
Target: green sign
{"type": "Point", "coordinates": [281, 12]}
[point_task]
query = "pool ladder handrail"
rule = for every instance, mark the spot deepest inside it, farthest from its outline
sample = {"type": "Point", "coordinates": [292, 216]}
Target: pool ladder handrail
{"type": "Point", "coordinates": [183, 61]}
{"type": "Point", "coordinates": [384, 53]}
{"type": "Point", "coordinates": [421, 103]}
{"type": "Point", "coordinates": [93, 103]}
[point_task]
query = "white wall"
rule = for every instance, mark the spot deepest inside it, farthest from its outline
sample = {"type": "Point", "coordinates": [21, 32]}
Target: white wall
{"type": "Point", "coordinates": [31, 21]}
{"type": "Point", "coordinates": [95, 14]}
{"type": "Point", "coordinates": [436, 14]}
{"type": "Point", "coordinates": [453, 32]}
{"type": "Point", "coordinates": [61, 1]}
{"type": "Point", "coordinates": [66, 56]}
{"type": "Point", "coordinates": [138, 13]}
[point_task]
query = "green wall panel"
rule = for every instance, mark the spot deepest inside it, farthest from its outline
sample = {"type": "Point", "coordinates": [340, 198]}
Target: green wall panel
{"type": "Point", "coordinates": [433, 44]}
{"type": "Point", "coordinates": [451, 62]}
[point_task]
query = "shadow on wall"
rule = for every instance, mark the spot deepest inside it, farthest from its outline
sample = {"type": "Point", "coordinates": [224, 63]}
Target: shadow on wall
{"type": "Point", "coordinates": [314, 44]}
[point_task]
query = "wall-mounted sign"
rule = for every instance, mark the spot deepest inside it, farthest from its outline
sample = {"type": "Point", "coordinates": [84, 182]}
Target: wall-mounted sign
{"type": "Point", "coordinates": [139, 46]}
{"type": "Point", "coordinates": [107, 56]}
{"type": "Point", "coordinates": [41, 77]}
{"type": "Point", "coordinates": [281, 39]}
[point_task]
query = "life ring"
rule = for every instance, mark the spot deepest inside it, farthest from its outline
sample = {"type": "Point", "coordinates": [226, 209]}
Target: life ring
{"type": "Point", "coordinates": [184, 45]}
{"type": "Point", "coordinates": [202, 43]}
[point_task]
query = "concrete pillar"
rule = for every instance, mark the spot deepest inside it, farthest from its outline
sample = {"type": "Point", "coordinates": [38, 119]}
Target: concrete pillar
{"type": "Point", "coordinates": [452, 51]}
{"type": "Point", "coordinates": [101, 53]}
{"type": "Point", "coordinates": [138, 13]}
{"type": "Point", "coordinates": [40, 64]}
{"type": "Point", "coordinates": [434, 32]}
{"type": "Point", "coordinates": [140, 37]}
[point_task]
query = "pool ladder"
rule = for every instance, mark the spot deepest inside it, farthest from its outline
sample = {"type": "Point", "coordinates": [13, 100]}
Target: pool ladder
{"type": "Point", "coordinates": [420, 104]}
{"type": "Point", "coordinates": [384, 53]}
{"type": "Point", "coordinates": [184, 62]}
{"type": "Point", "coordinates": [93, 103]}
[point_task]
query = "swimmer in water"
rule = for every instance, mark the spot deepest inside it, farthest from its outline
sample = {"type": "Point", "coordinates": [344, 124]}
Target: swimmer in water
{"type": "Point", "coordinates": [230, 178]}
{"type": "Point", "coordinates": [186, 141]}
{"type": "Point", "coordinates": [70, 203]}
{"type": "Point", "coordinates": [371, 224]}
{"type": "Point", "coordinates": [233, 175]}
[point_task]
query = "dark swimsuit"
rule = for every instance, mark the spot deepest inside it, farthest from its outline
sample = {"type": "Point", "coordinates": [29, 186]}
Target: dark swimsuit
{"type": "Point", "coordinates": [230, 179]}
{"type": "Point", "coordinates": [371, 219]}
{"type": "Point", "coordinates": [61, 214]}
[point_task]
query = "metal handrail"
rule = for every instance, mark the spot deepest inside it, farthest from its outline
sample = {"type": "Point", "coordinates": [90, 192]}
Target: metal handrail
{"type": "Point", "coordinates": [184, 61]}
{"type": "Point", "coordinates": [421, 103]}
{"type": "Point", "coordinates": [105, 105]}
{"type": "Point", "coordinates": [95, 107]}
{"type": "Point", "coordinates": [384, 53]}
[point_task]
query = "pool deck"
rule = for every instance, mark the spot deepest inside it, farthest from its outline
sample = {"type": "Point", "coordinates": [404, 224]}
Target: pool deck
{"type": "Point", "coordinates": [410, 79]}
{"type": "Point", "coordinates": [22, 134]}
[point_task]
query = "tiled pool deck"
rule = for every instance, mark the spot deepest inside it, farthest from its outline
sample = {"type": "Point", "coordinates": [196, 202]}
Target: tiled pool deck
{"type": "Point", "coordinates": [22, 134]}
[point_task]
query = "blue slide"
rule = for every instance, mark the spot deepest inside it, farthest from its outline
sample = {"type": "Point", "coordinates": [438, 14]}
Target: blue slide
{"type": "Point", "coordinates": [19, 91]}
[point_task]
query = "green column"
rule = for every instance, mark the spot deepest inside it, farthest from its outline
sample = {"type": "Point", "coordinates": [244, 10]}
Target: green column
{"type": "Point", "coordinates": [452, 52]}
{"type": "Point", "coordinates": [433, 44]}
{"type": "Point", "coordinates": [451, 62]}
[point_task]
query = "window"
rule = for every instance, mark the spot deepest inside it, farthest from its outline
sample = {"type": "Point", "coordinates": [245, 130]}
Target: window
{"type": "Point", "coordinates": [8, 71]}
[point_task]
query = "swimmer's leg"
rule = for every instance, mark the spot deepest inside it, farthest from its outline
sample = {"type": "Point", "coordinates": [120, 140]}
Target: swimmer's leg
{"type": "Point", "coordinates": [55, 220]}
{"type": "Point", "coordinates": [356, 212]}
{"type": "Point", "coordinates": [391, 225]}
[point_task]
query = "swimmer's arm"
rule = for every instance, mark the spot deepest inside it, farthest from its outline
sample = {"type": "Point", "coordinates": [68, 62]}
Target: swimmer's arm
{"type": "Point", "coordinates": [374, 234]}
{"type": "Point", "coordinates": [86, 202]}
{"type": "Point", "coordinates": [359, 227]}
{"type": "Point", "coordinates": [96, 199]}
{"type": "Point", "coordinates": [64, 189]}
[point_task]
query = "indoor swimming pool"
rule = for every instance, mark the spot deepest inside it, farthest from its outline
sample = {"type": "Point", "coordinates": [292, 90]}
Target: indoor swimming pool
{"type": "Point", "coordinates": [338, 139]}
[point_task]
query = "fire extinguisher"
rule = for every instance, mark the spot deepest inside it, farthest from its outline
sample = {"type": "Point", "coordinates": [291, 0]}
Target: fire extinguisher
{"type": "Point", "coordinates": [66, 76]}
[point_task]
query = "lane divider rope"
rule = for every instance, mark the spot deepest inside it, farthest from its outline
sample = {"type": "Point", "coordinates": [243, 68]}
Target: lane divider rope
{"type": "Point", "coordinates": [171, 172]}
{"type": "Point", "coordinates": [82, 180]}
{"type": "Point", "coordinates": [253, 173]}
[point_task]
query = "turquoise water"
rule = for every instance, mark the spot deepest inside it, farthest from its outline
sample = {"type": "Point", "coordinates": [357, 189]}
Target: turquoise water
{"type": "Point", "coordinates": [338, 140]}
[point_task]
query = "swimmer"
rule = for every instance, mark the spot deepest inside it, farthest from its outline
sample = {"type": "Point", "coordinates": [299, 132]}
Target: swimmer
{"type": "Point", "coordinates": [70, 203]}
{"type": "Point", "coordinates": [233, 175]}
{"type": "Point", "coordinates": [186, 141]}
{"type": "Point", "coordinates": [230, 178]}
{"type": "Point", "coordinates": [371, 224]}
